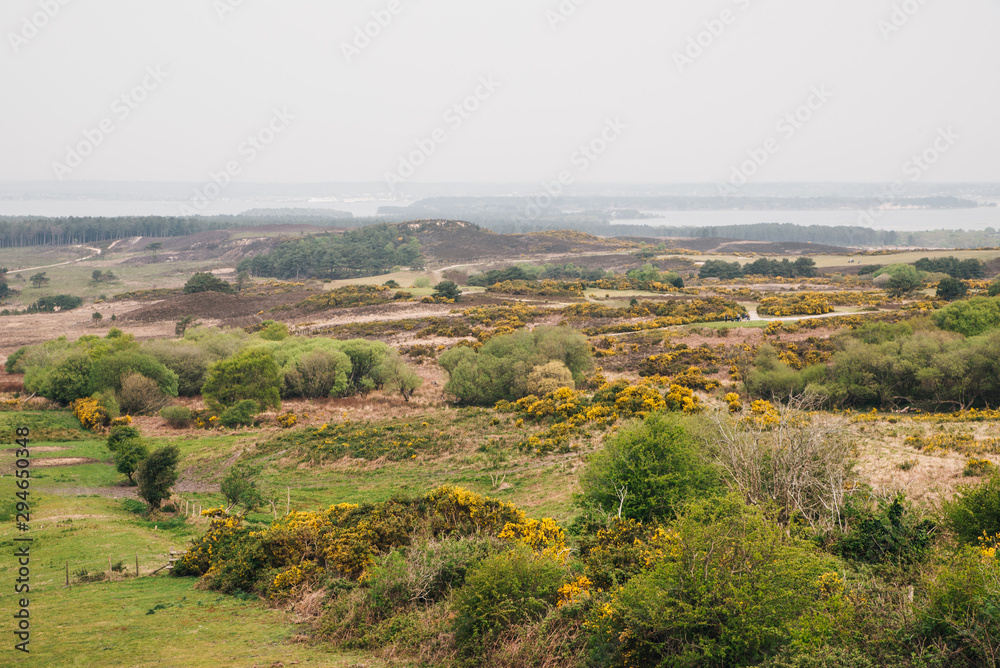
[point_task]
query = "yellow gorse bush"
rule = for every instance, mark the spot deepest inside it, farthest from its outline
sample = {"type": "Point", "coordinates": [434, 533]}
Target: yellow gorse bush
{"type": "Point", "coordinates": [346, 539]}
{"type": "Point", "coordinates": [809, 303]}
{"type": "Point", "coordinates": [574, 591]}
{"type": "Point", "coordinates": [91, 413]}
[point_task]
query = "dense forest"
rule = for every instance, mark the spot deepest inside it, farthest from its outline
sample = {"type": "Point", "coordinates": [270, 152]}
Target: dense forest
{"type": "Point", "coordinates": [369, 251]}
{"type": "Point", "coordinates": [21, 231]}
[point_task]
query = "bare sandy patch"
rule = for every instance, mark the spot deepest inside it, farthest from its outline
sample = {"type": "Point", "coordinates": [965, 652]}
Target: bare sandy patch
{"type": "Point", "coordinates": [49, 462]}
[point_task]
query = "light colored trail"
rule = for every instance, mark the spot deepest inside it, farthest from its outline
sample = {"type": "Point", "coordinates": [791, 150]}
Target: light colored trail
{"type": "Point", "coordinates": [97, 251]}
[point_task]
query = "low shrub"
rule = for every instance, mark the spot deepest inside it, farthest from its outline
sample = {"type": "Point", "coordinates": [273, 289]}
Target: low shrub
{"type": "Point", "coordinates": [239, 415]}
{"type": "Point", "coordinates": [140, 395]}
{"type": "Point", "coordinates": [975, 510]}
{"type": "Point", "coordinates": [177, 417]}
{"type": "Point", "coordinates": [502, 591]}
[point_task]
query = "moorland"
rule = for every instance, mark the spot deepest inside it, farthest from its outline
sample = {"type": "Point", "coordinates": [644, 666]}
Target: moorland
{"type": "Point", "coordinates": [428, 443]}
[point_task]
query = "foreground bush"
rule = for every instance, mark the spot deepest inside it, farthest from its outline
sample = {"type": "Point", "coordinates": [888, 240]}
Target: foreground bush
{"type": "Point", "coordinates": [647, 472]}
{"type": "Point", "coordinates": [732, 589]}
{"type": "Point", "coordinates": [975, 511]}
{"type": "Point", "coordinates": [504, 591]}
{"type": "Point", "coordinates": [347, 539]}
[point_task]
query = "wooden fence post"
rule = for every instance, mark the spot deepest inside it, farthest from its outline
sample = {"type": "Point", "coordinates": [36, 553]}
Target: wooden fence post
{"type": "Point", "coordinates": [137, 564]}
{"type": "Point", "coordinates": [111, 576]}
{"type": "Point", "coordinates": [67, 573]}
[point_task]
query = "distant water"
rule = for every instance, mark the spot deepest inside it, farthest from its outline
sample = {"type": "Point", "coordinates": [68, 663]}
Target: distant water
{"type": "Point", "coordinates": [912, 220]}
{"type": "Point", "coordinates": [104, 207]}
{"type": "Point", "coordinates": [909, 220]}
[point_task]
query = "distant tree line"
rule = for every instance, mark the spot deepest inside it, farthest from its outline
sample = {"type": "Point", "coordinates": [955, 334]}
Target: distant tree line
{"type": "Point", "coordinates": [21, 231]}
{"type": "Point", "coordinates": [803, 267]}
{"type": "Point", "coordinates": [954, 267]}
{"type": "Point", "coordinates": [369, 251]}
{"type": "Point", "coordinates": [521, 272]}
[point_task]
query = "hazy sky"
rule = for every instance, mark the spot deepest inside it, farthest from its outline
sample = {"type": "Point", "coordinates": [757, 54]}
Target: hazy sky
{"type": "Point", "coordinates": [201, 76]}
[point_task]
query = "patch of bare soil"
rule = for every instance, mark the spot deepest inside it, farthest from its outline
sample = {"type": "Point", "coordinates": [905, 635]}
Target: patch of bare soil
{"type": "Point", "coordinates": [50, 462]}
{"type": "Point", "coordinates": [114, 492]}
{"type": "Point", "coordinates": [42, 448]}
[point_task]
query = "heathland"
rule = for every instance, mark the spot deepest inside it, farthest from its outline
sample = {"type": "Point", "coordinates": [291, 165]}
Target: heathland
{"type": "Point", "coordinates": [431, 444]}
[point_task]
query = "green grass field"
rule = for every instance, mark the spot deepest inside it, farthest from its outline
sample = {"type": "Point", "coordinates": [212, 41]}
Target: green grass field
{"type": "Point", "coordinates": [147, 621]}
{"type": "Point", "coordinates": [157, 620]}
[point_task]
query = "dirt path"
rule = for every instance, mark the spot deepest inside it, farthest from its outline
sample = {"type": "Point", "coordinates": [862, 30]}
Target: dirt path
{"type": "Point", "coordinates": [97, 251]}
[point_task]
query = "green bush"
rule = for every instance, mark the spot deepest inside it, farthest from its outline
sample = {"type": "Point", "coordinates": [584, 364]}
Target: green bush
{"type": "Point", "coordinates": [107, 399]}
{"type": "Point", "coordinates": [240, 414]}
{"type": "Point", "coordinates": [316, 373]}
{"type": "Point", "coordinates": [975, 511]}
{"type": "Point", "coordinates": [970, 317]}
{"type": "Point", "coordinates": [206, 282]}
{"type": "Point", "coordinates": [109, 371]}
{"type": "Point", "coordinates": [241, 486]}
{"type": "Point", "coordinates": [647, 472]}
{"type": "Point", "coordinates": [963, 607]}
{"type": "Point", "coordinates": [177, 417]}
{"type": "Point", "coordinates": [55, 303]}
{"type": "Point", "coordinates": [447, 290]}
{"type": "Point", "coordinates": [128, 455]}
{"type": "Point", "coordinates": [951, 289]}
{"type": "Point", "coordinates": [157, 473]}
{"type": "Point", "coordinates": [500, 369]}
{"type": "Point", "coordinates": [821, 657]}
{"type": "Point", "coordinates": [730, 591]}
{"type": "Point", "coordinates": [423, 573]}
{"type": "Point", "coordinates": [249, 375]}
{"type": "Point", "coordinates": [889, 534]}
{"type": "Point", "coordinates": [394, 375]}
{"type": "Point", "coordinates": [773, 379]}
{"type": "Point", "coordinates": [903, 278]}
{"type": "Point", "coordinates": [120, 434]}
{"type": "Point", "coordinates": [501, 592]}
{"type": "Point", "coordinates": [186, 359]}
{"type": "Point", "coordinates": [68, 380]}
{"type": "Point", "coordinates": [273, 331]}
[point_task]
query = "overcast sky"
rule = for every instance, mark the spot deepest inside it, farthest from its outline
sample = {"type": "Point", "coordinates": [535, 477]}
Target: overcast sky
{"type": "Point", "coordinates": [325, 106]}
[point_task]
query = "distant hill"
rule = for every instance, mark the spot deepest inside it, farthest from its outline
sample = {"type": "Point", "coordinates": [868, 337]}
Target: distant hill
{"type": "Point", "coordinates": [297, 213]}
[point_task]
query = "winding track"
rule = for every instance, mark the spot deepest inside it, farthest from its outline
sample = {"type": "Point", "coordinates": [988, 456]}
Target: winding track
{"type": "Point", "coordinates": [97, 251]}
